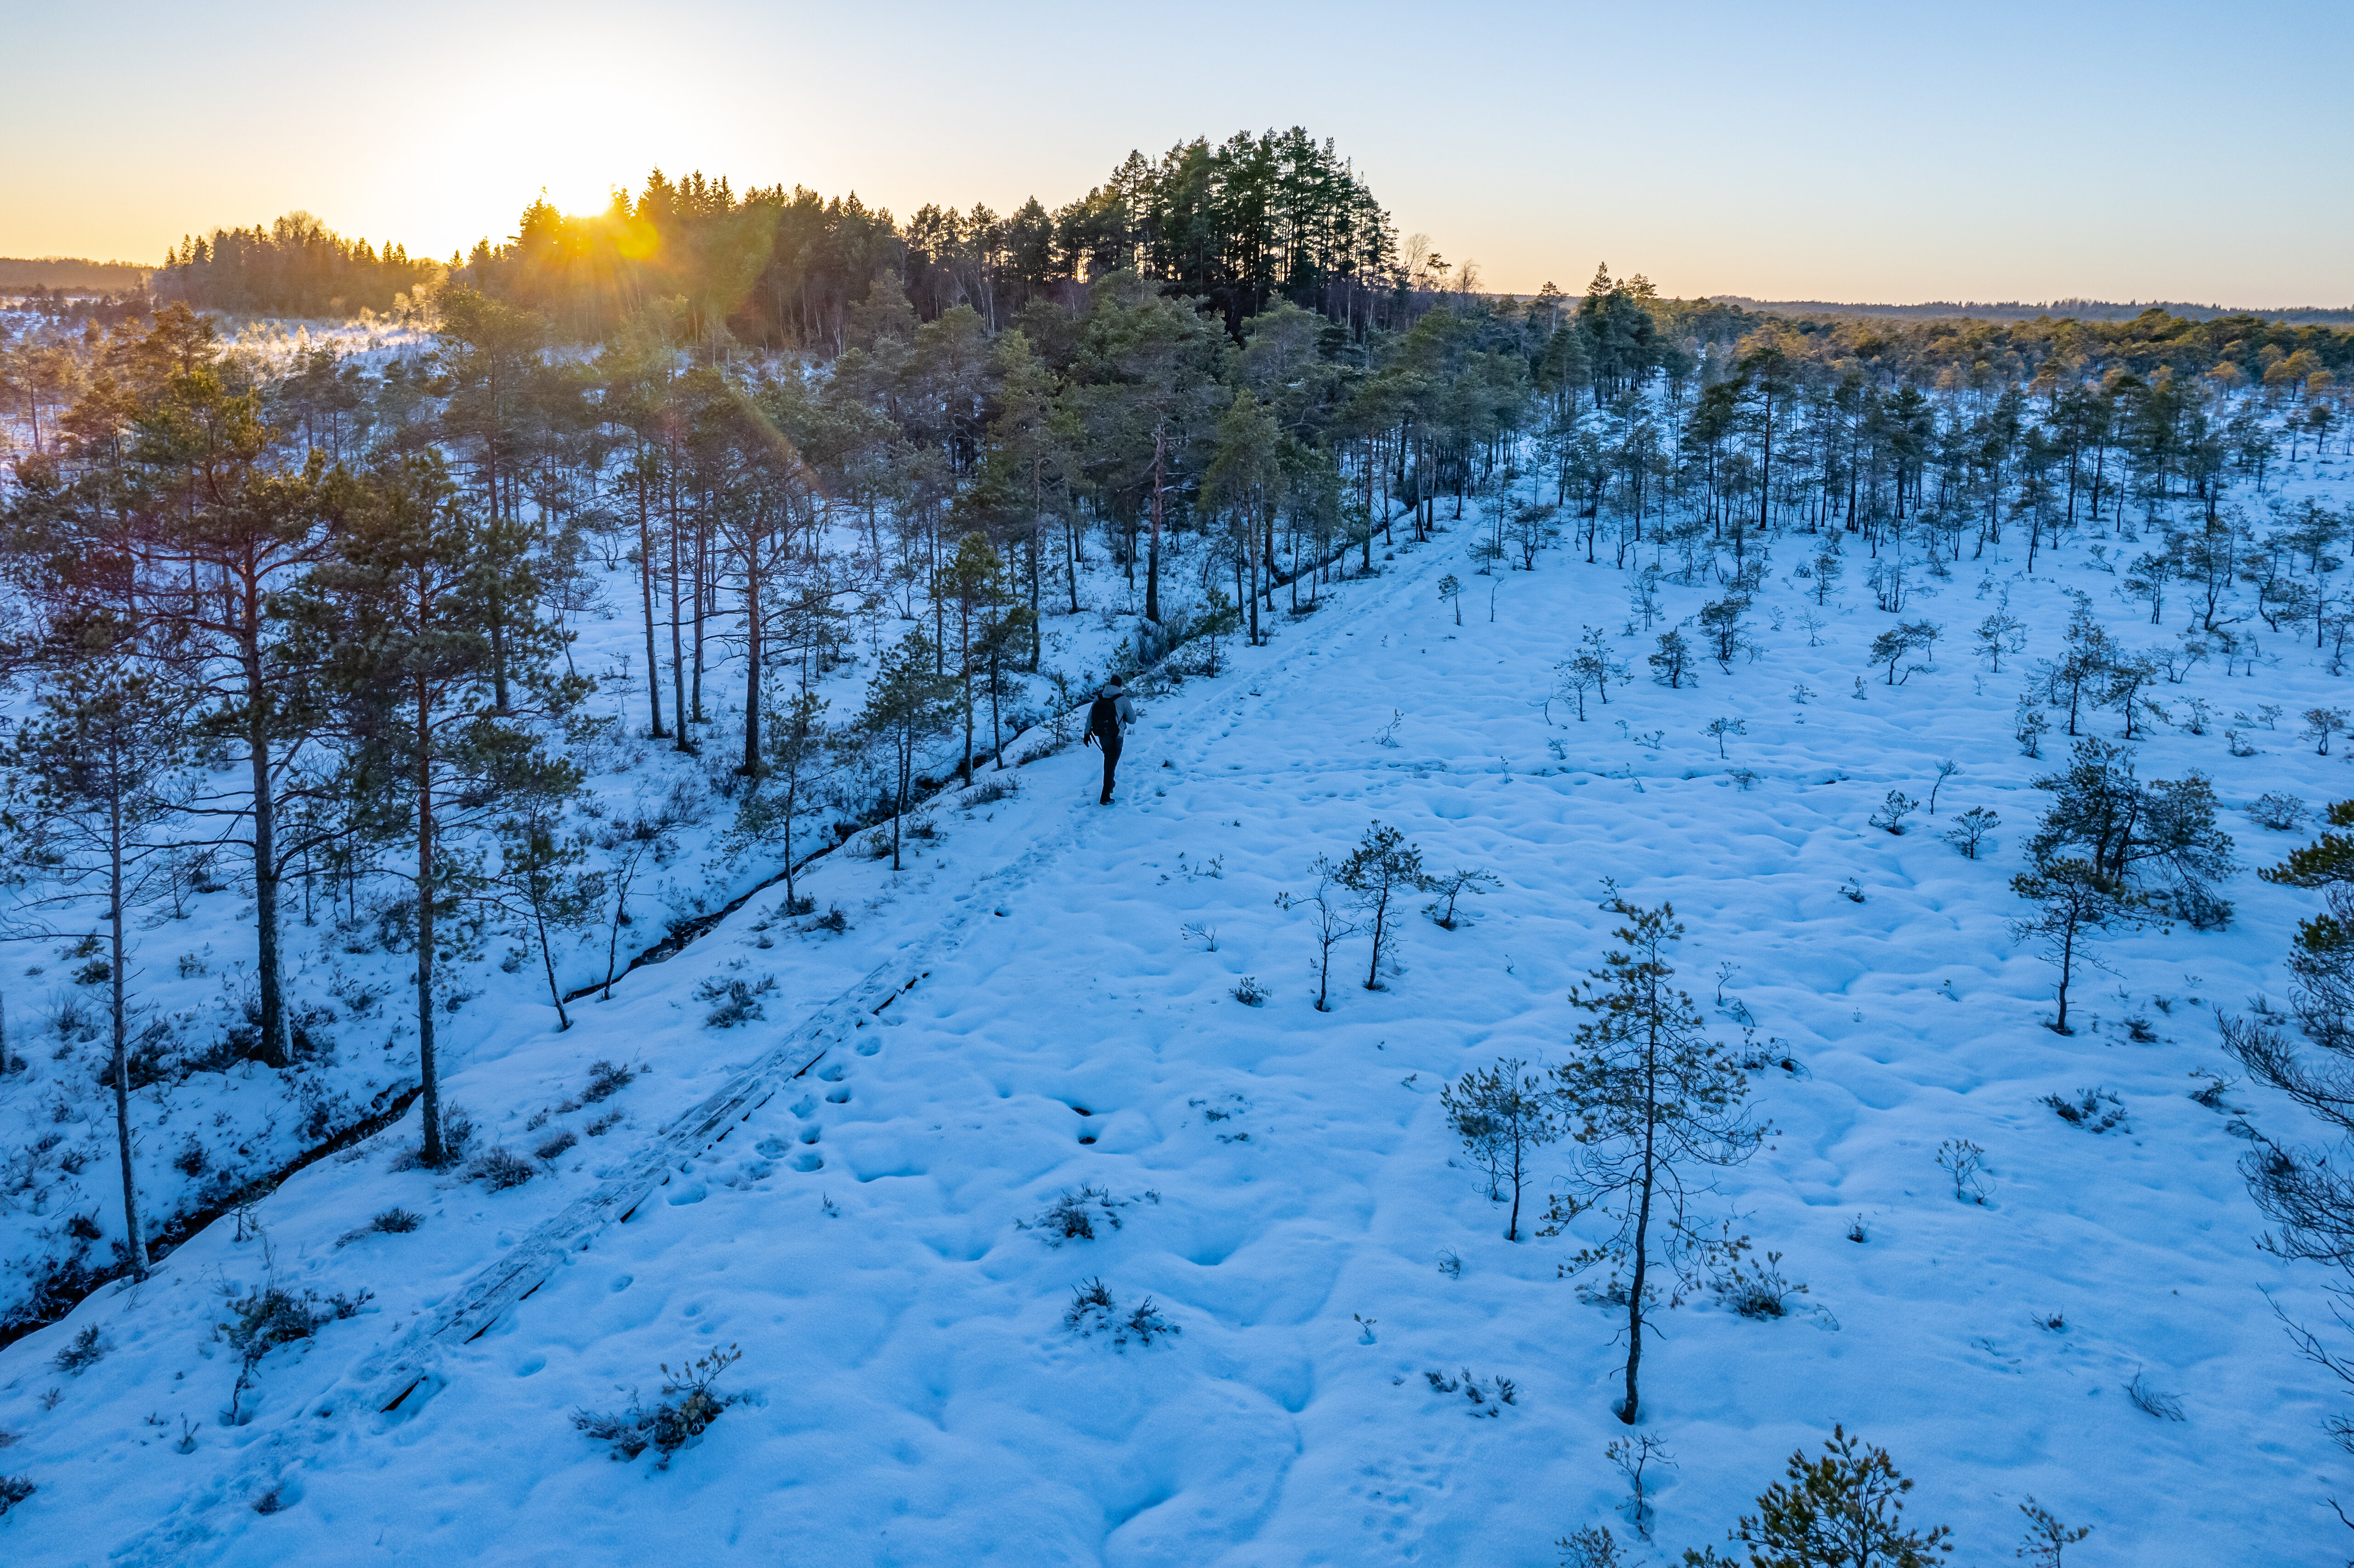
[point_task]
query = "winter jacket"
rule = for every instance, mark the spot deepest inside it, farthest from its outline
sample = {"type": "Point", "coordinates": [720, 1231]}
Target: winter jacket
{"type": "Point", "coordinates": [1110, 714]}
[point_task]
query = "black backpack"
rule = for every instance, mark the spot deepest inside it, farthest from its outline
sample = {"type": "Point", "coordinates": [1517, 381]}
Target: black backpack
{"type": "Point", "coordinates": [1103, 719]}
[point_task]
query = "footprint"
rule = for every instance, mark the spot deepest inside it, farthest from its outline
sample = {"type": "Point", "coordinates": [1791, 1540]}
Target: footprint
{"type": "Point", "coordinates": [813, 1161]}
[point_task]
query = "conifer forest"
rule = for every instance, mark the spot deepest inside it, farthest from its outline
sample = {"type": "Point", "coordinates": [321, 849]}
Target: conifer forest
{"type": "Point", "coordinates": [1724, 933]}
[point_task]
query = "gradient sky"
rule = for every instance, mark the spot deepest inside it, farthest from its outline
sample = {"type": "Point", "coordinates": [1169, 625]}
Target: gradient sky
{"type": "Point", "coordinates": [1820, 151]}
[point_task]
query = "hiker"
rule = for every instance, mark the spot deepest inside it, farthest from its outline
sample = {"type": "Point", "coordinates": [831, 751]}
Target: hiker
{"type": "Point", "coordinates": [1108, 719]}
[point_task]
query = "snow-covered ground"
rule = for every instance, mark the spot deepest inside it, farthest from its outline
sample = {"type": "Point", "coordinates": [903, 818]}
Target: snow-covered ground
{"type": "Point", "coordinates": [1286, 1188]}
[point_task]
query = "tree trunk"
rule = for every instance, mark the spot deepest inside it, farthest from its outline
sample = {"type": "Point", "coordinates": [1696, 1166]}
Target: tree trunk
{"type": "Point", "coordinates": [1152, 560]}
{"type": "Point", "coordinates": [273, 1044]}
{"type": "Point", "coordinates": [548, 960]}
{"type": "Point", "coordinates": [1632, 1409]}
{"type": "Point", "coordinates": [677, 647]}
{"type": "Point", "coordinates": [646, 591]}
{"type": "Point", "coordinates": [751, 766]}
{"type": "Point", "coordinates": [702, 594]}
{"type": "Point", "coordinates": [135, 1242]}
{"type": "Point", "coordinates": [430, 1152]}
{"type": "Point", "coordinates": [1037, 621]}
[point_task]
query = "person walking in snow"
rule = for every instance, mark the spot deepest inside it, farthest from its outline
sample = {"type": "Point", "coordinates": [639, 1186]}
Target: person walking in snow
{"type": "Point", "coordinates": [1108, 719]}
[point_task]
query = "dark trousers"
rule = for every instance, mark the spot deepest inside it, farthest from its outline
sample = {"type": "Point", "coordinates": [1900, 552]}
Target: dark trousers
{"type": "Point", "coordinates": [1111, 763]}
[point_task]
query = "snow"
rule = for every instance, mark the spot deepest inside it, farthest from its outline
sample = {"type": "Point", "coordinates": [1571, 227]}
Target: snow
{"type": "Point", "coordinates": [1288, 1186]}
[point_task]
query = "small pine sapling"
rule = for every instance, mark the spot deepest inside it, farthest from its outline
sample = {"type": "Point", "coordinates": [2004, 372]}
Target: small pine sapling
{"type": "Point", "coordinates": [1719, 622]}
{"type": "Point", "coordinates": [2029, 725]}
{"type": "Point", "coordinates": [1381, 867]}
{"type": "Point", "coordinates": [1671, 664]}
{"type": "Point", "coordinates": [1454, 884]}
{"type": "Point", "coordinates": [1452, 592]}
{"type": "Point", "coordinates": [1331, 927]}
{"type": "Point", "coordinates": [1968, 833]}
{"type": "Point", "coordinates": [1633, 1456]}
{"type": "Point", "coordinates": [1827, 566]}
{"type": "Point", "coordinates": [1898, 644]}
{"type": "Point", "coordinates": [1503, 1114]}
{"type": "Point", "coordinates": [1651, 1101]}
{"type": "Point", "coordinates": [1718, 728]}
{"type": "Point", "coordinates": [2000, 633]}
{"type": "Point", "coordinates": [1594, 1547]}
{"type": "Point", "coordinates": [1573, 678]}
{"type": "Point", "coordinates": [1595, 651]}
{"type": "Point", "coordinates": [1843, 1510]}
{"type": "Point", "coordinates": [2046, 1536]}
{"type": "Point", "coordinates": [2320, 724]}
{"type": "Point", "coordinates": [1760, 1290]}
{"type": "Point", "coordinates": [1890, 818]}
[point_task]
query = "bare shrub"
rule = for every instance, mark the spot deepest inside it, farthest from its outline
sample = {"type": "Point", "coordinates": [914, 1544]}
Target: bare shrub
{"type": "Point", "coordinates": [500, 1169]}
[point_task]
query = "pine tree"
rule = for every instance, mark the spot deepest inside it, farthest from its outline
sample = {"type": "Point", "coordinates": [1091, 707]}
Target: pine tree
{"type": "Point", "coordinates": [2076, 900]}
{"type": "Point", "coordinates": [231, 546]}
{"type": "Point", "coordinates": [404, 613]}
{"type": "Point", "coordinates": [1652, 1102]}
{"type": "Point", "coordinates": [1843, 1510]}
{"type": "Point", "coordinates": [90, 780]}
{"type": "Point", "coordinates": [1379, 870]}
{"type": "Point", "coordinates": [1502, 1115]}
{"type": "Point", "coordinates": [539, 882]}
{"type": "Point", "coordinates": [906, 705]}
{"type": "Point", "coordinates": [797, 740]}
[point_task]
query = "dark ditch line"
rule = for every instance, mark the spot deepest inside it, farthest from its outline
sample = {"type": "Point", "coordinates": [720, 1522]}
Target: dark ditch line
{"type": "Point", "coordinates": [57, 1302]}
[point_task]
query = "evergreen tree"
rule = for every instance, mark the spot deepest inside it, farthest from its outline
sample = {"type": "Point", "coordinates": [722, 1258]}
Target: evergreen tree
{"type": "Point", "coordinates": [1502, 1115]}
{"type": "Point", "coordinates": [91, 781]}
{"type": "Point", "coordinates": [1652, 1103]}
{"type": "Point", "coordinates": [1380, 870]}
{"type": "Point", "coordinates": [906, 705]}
{"type": "Point", "coordinates": [2076, 900]}
{"type": "Point", "coordinates": [1845, 1510]}
{"type": "Point", "coordinates": [402, 613]}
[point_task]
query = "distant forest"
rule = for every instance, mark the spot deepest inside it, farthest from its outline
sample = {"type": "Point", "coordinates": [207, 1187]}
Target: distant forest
{"type": "Point", "coordinates": [19, 272]}
{"type": "Point", "coordinates": [1259, 218]}
{"type": "Point", "coordinates": [1234, 226]}
{"type": "Point", "coordinates": [2016, 311]}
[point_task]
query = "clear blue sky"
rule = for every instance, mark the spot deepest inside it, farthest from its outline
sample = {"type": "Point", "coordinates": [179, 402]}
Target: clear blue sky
{"type": "Point", "coordinates": [1838, 150]}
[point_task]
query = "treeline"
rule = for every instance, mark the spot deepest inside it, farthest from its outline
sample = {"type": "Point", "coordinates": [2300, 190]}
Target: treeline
{"type": "Point", "coordinates": [2059, 310]}
{"type": "Point", "coordinates": [1236, 225]}
{"type": "Point", "coordinates": [1277, 215]}
{"type": "Point", "coordinates": [71, 273]}
{"type": "Point", "coordinates": [296, 267]}
{"type": "Point", "coordinates": [1967, 354]}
